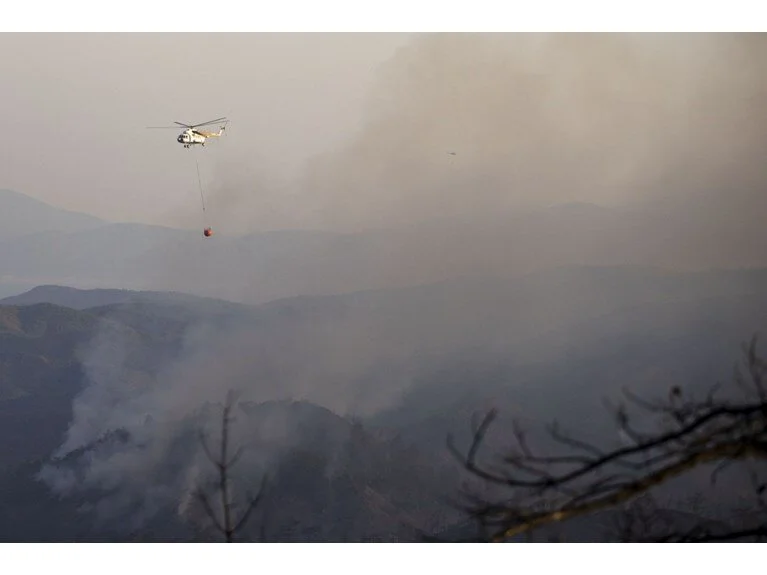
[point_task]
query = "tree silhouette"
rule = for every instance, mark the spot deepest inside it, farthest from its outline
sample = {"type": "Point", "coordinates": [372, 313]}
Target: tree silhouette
{"type": "Point", "coordinates": [540, 490]}
{"type": "Point", "coordinates": [225, 521]}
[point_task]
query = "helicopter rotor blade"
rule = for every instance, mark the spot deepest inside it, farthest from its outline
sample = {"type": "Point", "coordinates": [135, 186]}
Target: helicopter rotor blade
{"type": "Point", "coordinates": [207, 123]}
{"type": "Point", "coordinates": [188, 126]}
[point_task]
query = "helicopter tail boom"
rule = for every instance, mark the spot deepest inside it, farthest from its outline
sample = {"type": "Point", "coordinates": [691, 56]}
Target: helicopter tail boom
{"type": "Point", "coordinates": [212, 134]}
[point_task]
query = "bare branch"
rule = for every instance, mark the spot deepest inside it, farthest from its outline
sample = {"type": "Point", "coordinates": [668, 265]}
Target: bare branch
{"type": "Point", "coordinates": [548, 489]}
{"type": "Point", "coordinates": [208, 453]}
{"type": "Point", "coordinates": [203, 499]}
{"type": "Point", "coordinates": [223, 462]}
{"type": "Point", "coordinates": [252, 504]}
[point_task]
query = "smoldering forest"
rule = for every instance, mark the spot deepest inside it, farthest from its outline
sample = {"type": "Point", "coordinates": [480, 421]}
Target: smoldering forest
{"type": "Point", "coordinates": [528, 222]}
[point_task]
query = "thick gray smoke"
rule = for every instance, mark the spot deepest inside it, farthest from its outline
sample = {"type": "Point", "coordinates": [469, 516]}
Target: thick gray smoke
{"type": "Point", "coordinates": [159, 463]}
{"type": "Point", "coordinates": [537, 120]}
{"type": "Point", "coordinates": [135, 436]}
{"type": "Point", "coordinates": [667, 133]}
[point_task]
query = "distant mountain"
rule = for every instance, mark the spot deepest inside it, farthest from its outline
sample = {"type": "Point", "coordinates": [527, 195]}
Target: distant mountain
{"type": "Point", "coordinates": [22, 215]}
{"type": "Point", "coordinates": [253, 268]}
{"type": "Point", "coordinates": [103, 256]}
{"type": "Point", "coordinates": [88, 298]}
{"type": "Point", "coordinates": [260, 267]}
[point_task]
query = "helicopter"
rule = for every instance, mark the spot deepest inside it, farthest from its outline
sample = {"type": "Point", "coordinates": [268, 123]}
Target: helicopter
{"type": "Point", "coordinates": [191, 136]}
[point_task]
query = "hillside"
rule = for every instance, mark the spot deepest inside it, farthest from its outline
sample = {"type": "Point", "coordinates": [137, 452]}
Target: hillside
{"type": "Point", "coordinates": [37, 403]}
{"type": "Point", "coordinates": [413, 364]}
{"type": "Point", "coordinates": [328, 480]}
{"type": "Point", "coordinates": [346, 343]}
{"type": "Point", "coordinates": [41, 373]}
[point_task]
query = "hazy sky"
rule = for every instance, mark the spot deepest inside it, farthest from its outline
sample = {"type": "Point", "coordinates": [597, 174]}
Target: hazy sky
{"type": "Point", "coordinates": [353, 131]}
{"type": "Point", "coordinates": [77, 107]}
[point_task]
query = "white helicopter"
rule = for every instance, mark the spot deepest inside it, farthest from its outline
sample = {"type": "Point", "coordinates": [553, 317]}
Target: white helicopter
{"type": "Point", "coordinates": [192, 136]}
